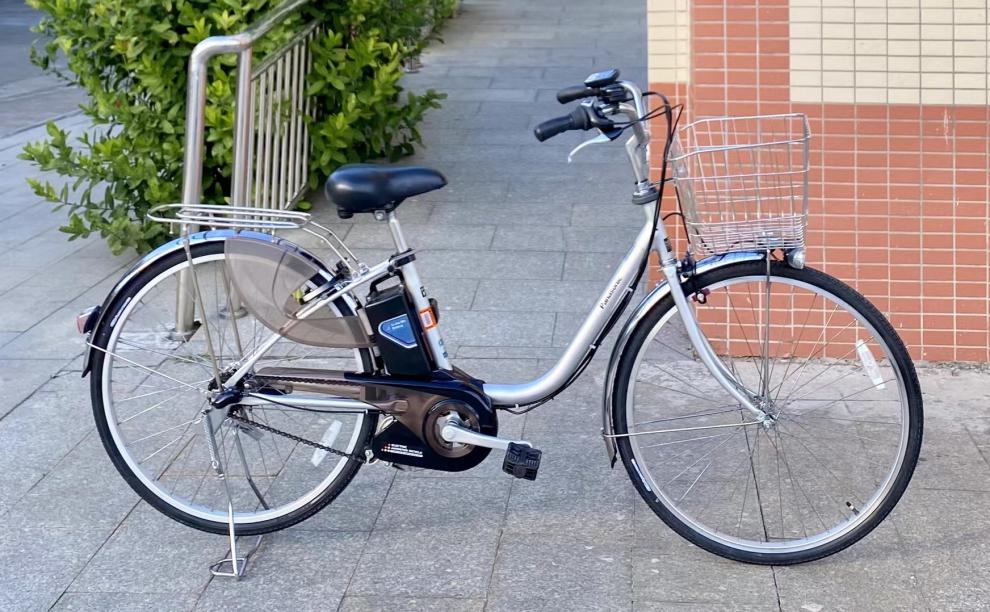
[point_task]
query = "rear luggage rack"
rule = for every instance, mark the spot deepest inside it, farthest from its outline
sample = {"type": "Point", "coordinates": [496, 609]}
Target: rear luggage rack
{"type": "Point", "coordinates": [193, 217]}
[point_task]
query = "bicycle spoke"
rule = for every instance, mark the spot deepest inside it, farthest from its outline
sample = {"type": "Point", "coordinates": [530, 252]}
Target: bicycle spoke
{"type": "Point", "coordinates": [167, 444]}
{"type": "Point", "coordinates": [819, 375]}
{"type": "Point", "coordinates": [794, 482]}
{"type": "Point", "coordinates": [702, 458]}
{"type": "Point", "coordinates": [795, 342]}
{"type": "Point", "coordinates": [150, 370]}
{"type": "Point", "coordinates": [780, 486]}
{"type": "Point", "coordinates": [815, 354]}
{"type": "Point", "coordinates": [820, 462]}
{"type": "Point", "coordinates": [146, 410]}
{"type": "Point", "coordinates": [742, 328]}
{"type": "Point", "coordinates": [681, 391]}
{"type": "Point", "coordinates": [818, 435]}
{"type": "Point", "coordinates": [149, 394]}
{"type": "Point", "coordinates": [743, 462]}
{"type": "Point", "coordinates": [843, 398]}
{"type": "Point", "coordinates": [685, 441]}
{"type": "Point", "coordinates": [689, 416]}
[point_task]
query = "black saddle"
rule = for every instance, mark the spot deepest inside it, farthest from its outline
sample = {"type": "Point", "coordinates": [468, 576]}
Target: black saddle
{"type": "Point", "coordinates": [357, 188]}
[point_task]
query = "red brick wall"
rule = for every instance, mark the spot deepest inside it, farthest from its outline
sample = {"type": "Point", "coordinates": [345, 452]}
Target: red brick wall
{"type": "Point", "coordinates": [898, 192]}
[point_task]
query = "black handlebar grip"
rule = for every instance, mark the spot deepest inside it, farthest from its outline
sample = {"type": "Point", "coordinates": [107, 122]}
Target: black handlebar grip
{"type": "Point", "coordinates": [575, 92]}
{"type": "Point", "coordinates": [552, 127]}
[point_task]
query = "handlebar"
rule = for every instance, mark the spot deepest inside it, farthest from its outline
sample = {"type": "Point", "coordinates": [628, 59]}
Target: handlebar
{"type": "Point", "coordinates": [583, 117]}
{"type": "Point", "coordinates": [576, 92]}
{"type": "Point", "coordinates": [577, 119]}
{"type": "Point", "coordinates": [551, 127]}
{"type": "Point", "coordinates": [616, 98]}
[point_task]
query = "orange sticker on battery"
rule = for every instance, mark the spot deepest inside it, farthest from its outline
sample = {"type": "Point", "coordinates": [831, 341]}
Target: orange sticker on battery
{"type": "Point", "coordinates": [426, 318]}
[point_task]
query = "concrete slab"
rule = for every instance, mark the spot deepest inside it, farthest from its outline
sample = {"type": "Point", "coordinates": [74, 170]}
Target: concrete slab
{"type": "Point", "coordinates": [150, 553]}
{"type": "Point", "coordinates": [411, 604]}
{"type": "Point", "coordinates": [948, 556]}
{"type": "Point", "coordinates": [423, 562]}
{"type": "Point", "coordinates": [294, 570]}
{"type": "Point", "coordinates": [135, 602]}
{"type": "Point", "coordinates": [561, 571]}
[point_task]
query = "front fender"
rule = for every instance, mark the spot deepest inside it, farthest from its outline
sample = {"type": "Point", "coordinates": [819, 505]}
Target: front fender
{"type": "Point", "coordinates": [661, 291]}
{"type": "Point", "coordinates": [142, 264]}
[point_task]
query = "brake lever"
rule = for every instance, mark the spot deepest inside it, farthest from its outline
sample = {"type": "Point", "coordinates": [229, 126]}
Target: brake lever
{"type": "Point", "coordinates": [602, 138]}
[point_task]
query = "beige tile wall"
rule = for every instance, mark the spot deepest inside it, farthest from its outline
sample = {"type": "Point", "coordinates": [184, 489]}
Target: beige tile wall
{"type": "Point", "coordinates": [669, 26]}
{"type": "Point", "coordinates": [899, 181]}
{"type": "Point", "coordinates": [890, 51]}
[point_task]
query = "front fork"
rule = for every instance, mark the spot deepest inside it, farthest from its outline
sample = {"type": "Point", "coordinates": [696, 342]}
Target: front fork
{"type": "Point", "coordinates": [701, 345]}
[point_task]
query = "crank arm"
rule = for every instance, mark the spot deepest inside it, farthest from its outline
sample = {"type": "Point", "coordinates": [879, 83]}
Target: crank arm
{"type": "Point", "coordinates": [455, 433]}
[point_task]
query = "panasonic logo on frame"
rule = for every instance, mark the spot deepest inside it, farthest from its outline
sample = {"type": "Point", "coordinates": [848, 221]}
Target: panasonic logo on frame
{"type": "Point", "coordinates": [608, 296]}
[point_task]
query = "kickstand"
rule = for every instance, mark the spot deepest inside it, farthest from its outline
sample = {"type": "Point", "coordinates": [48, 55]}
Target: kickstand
{"type": "Point", "coordinates": [237, 565]}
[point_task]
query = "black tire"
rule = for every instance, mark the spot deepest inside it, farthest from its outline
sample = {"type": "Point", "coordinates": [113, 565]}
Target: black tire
{"type": "Point", "coordinates": [837, 288]}
{"type": "Point", "coordinates": [100, 338]}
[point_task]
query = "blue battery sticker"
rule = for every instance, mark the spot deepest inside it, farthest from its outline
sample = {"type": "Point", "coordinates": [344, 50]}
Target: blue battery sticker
{"type": "Point", "coordinates": [399, 330]}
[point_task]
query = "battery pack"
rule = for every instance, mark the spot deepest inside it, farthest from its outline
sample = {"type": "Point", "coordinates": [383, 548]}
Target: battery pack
{"type": "Point", "coordinates": [398, 333]}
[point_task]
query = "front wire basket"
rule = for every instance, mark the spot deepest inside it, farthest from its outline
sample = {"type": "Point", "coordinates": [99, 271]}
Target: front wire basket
{"type": "Point", "coordinates": [742, 182]}
{"type": "Point", "coordinates": [219, 216]}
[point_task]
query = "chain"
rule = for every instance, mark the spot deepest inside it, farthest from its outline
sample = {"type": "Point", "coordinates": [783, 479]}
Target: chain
{"type": "Point", "coordinates": [295, 438]}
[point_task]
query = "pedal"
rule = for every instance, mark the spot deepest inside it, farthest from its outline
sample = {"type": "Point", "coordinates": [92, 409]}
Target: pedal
{"type": "Point", "coordinates": [521, 461]}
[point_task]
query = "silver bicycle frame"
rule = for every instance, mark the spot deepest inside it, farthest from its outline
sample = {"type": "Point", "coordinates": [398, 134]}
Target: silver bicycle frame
{"type": "Point", "coordinates": [605, 308]}
{"type": "Point", "coordinates": [623, 281]}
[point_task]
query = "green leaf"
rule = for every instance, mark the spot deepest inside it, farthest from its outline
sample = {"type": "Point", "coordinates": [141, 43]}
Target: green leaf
{"type": "Point", "coordinates": [131, 59]}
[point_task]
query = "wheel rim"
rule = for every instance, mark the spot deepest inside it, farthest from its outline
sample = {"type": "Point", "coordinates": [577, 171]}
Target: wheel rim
{"type": "Point", "coordinates": [700, 467]}
{"type": "Point", "coordinates": [134, 396]}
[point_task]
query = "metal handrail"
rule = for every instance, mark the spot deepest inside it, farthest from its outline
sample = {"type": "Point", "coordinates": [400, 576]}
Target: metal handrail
{"type": "Point", "coordinates": [192, 170]}
{"type": "Point", "coordinates": [242, 44]}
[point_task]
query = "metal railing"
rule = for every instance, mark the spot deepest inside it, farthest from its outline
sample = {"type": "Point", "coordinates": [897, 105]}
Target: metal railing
{"type": "Point", "coordinates": [281, 143]}
{"type": "Point", "coordinates": [278, 87]}
{"type": "Point", "coordinates": [278, 166]}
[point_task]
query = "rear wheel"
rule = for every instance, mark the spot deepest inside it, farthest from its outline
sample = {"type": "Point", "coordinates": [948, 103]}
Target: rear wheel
{"type": "Point", "coordinates": [829, 369]}
{"type": "Point", "coordinates": [149, 388]}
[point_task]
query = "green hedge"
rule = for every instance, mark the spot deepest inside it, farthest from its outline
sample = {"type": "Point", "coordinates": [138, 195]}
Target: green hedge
{"type": "Point", "coordinates": [131, 57]}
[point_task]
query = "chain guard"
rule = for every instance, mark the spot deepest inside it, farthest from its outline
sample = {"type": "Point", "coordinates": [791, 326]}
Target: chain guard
{"type": "Point", "coordinates": [416, 405]}
{"type": "Point", "coordinates": [412, 440]}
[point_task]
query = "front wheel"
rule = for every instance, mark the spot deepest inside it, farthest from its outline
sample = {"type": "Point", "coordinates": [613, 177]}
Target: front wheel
{"type": "Point", "coordinates": [841, 392]}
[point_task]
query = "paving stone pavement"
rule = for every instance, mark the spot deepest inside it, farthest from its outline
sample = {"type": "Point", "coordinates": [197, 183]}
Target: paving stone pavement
{"type": "Point", "coordinates": [515, 249]}
{"type": "Point", "coordinates": [27, 97]}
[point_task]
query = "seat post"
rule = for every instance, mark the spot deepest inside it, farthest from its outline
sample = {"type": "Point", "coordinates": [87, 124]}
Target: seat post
{"type": "Point", "coordinates": [394, 228]}
{"type": "Point", "coordinates": [417, 293]}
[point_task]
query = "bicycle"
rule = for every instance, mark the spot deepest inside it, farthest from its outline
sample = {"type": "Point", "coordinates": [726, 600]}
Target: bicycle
{"type": "Point", "coordinates": [239, 383]}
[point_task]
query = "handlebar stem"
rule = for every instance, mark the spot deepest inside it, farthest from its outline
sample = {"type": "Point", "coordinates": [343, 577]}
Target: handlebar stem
{"type": "Point", "coordinates": [638, 146]}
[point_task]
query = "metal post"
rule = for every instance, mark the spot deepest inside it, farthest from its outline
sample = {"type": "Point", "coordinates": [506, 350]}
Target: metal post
{"type": "Point", "coordinates": [240, 188]}
{"type": "Point", "coordinates": [192, 177]}
{"type": "Point", "coordinates": [192, 165]}
{"type": "Point", "coordinates": [243, 130]}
